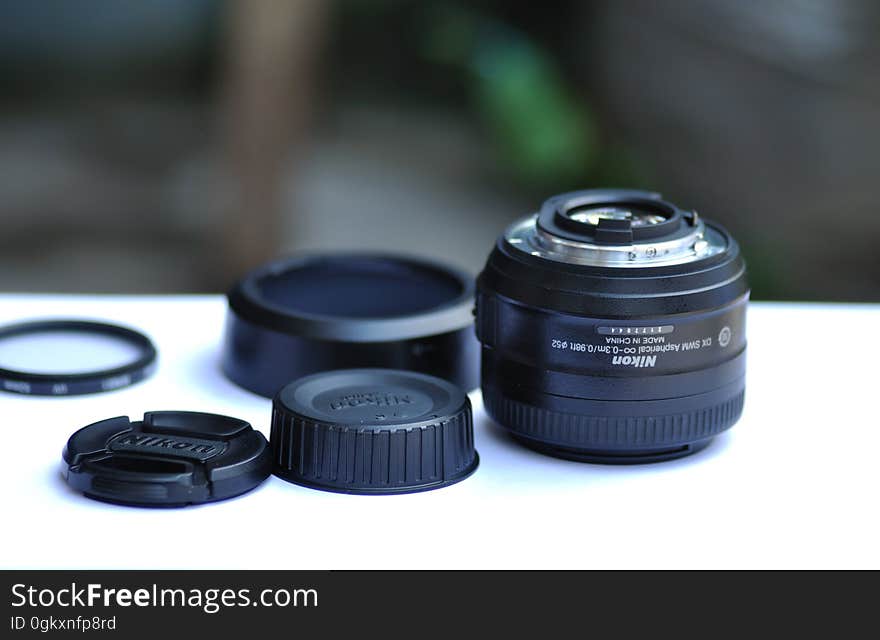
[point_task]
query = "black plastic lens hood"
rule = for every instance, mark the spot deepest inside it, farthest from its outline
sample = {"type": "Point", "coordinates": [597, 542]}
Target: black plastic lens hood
{"type": "Point", "coordinates": [305, 314]}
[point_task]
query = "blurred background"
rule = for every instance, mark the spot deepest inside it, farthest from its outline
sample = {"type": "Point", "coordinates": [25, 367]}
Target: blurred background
{"type": "Point", "coordinates": [169, 145]}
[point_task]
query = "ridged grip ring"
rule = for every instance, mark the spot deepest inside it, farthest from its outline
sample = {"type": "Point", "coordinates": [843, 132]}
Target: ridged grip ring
{"type": "Point", "coordinates": [372, 431]}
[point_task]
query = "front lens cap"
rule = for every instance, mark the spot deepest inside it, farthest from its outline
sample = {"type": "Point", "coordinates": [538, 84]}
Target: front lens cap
{"type": "Point", "coordinates": [373, 431]}
{"type": "Point", "coordinates": [170, 459]}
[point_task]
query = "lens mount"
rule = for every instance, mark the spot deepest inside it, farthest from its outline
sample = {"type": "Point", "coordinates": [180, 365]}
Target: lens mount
{"type": "Point", "coordinates": [617, 228]}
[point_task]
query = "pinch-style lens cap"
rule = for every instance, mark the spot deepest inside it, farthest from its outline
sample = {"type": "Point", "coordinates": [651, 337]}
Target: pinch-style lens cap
{"type": "Point", "coordinates": [170, 459]}
{"type": "Point", "coordinates": [373, 431]}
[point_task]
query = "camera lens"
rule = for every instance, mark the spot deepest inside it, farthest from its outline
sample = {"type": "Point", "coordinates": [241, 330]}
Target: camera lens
{"type": "Point", "coordinates": [612, 326]}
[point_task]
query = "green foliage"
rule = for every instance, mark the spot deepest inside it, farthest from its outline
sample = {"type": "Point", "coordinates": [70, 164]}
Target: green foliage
{"type": "Point", "coordinates": [543, 131]}
{"type": "Point", "coordinates": [543, 134]}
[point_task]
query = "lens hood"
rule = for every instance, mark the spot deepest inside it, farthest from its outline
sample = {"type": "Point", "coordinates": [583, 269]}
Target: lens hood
{"type": "Point", "coordinates": [305, 314]}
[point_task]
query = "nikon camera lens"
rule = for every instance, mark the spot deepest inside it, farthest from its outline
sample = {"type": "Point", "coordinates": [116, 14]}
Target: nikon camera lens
{"type": "Point", "coordinates": [612, 326]}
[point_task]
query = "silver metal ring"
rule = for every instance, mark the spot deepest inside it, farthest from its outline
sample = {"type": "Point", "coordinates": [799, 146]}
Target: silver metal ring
{"type": "Point", "coordinates": [702, 242]}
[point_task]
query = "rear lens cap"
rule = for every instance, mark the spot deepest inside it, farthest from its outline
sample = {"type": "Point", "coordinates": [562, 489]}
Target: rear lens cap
{"type": "Point", "coordinates": [373, 431]}
{"type": "Point", "coordinates": [170, 459]}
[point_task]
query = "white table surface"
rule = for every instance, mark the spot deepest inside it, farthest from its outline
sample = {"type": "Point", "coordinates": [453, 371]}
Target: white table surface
{"type": "Point", "coordinates": [794, 484]}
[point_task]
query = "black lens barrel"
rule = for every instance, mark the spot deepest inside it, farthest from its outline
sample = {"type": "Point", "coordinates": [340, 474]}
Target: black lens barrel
{"type": "Point", "coordinates": [613, 364]}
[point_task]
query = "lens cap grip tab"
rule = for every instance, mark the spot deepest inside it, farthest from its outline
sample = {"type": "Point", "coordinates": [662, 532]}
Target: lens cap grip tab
{"type": "Point", "coordinates": [169, 459]}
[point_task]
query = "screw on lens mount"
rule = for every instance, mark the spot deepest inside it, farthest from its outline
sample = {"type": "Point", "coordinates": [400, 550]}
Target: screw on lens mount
{"type": "Point", "coordinates": [612, 326]}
